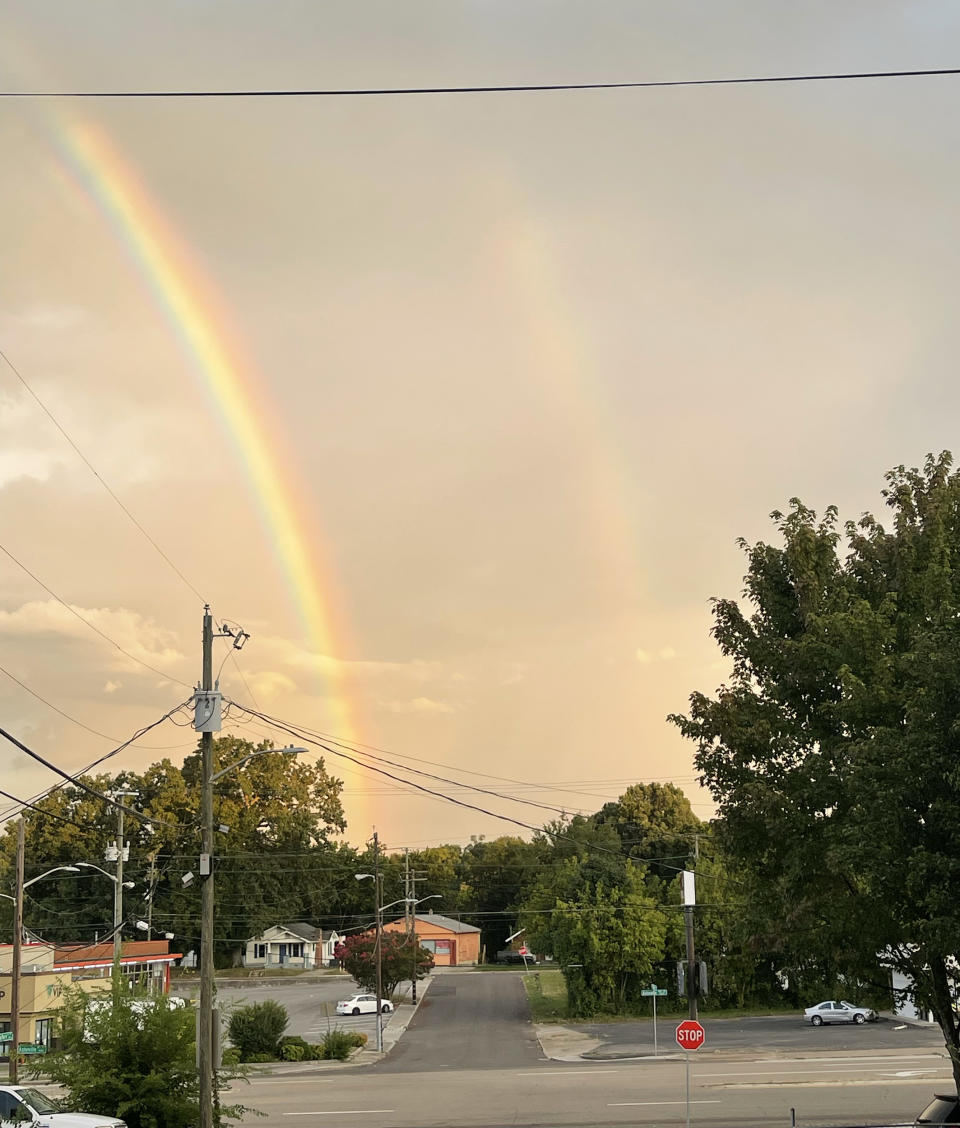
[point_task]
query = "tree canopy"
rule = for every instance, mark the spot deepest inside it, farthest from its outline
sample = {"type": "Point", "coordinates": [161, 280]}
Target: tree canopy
{"type": "Point", "coordinates": [832, 751]}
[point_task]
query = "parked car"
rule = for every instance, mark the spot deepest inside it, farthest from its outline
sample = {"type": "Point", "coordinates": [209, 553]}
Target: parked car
{"type": "Point", "coordinates": [943, 1109]}
{"type": "Point", "coordinates": [363, 1004]}
{"type": "Point", "coordinates": [22, 1105]}
{"type": "Point", "coordinates": [839, 1012]}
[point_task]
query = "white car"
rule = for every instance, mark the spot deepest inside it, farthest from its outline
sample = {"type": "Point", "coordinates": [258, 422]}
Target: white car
{"type": "Point", "coordinates": [839, 1012]}
{"type": "Point", "coordinates": [22, 1106]}
{"type": "Point", "coordinates": [363, 1004]}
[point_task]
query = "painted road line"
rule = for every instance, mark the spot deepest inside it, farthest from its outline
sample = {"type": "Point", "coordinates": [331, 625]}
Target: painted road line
{"type": "Point", "coordinates": [876, 1057]}
{"type": "Point", "coordinates": [651, 1104]}
{"type": "Point", "coordinates": [804, 1072]}
{"type": "Point", "coordinates": [342, 1112]}
{"type": "Point", "coordinates": [567, 1072]}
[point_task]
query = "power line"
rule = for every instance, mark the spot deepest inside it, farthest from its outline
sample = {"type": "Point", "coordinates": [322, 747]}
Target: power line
{"type": "Point", "coordinates": [49, 704]}
{"type": "Point", "coordinates": [93, 470]}
{"type": "Point", "coordinates": [41, 811]}
{"type": "Point", "coordinates": [78, 782]}
{"type": "Point", "coordinates": [509, 88]}
{"type": "Point", "coordinates": [86, 622]}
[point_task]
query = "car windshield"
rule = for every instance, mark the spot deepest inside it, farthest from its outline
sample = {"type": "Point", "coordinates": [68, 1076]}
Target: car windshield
{"type": "Point", "coordinates": [941, 1110]}
{"type": "Point", "coordinates": [37, 1101]}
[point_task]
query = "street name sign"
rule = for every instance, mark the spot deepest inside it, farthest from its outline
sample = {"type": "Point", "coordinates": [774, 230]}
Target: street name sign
{"type": "Point", "coordinates": [31, 1048]}
{"type": "Point", "coordinates": [654, 990]}
{"type": "Point", "coordinates": [6, 1035]}
{"type": "Point", "coordinates": [690, 1035]}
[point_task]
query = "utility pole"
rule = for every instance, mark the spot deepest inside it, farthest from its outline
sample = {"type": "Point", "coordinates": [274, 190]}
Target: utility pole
{"type": "Point", "coordinates": [693, 979]}
{"type": "Point", "coordinates": [17, 951]}
{"type": "Point", "coordinates": [120, 796]}
{"type": "Point", "coordinates": [150, 892]}
{"type": "Point", "coordinates": [378, 946]}
{"type": "Point", "coordinates": [205, 1041]}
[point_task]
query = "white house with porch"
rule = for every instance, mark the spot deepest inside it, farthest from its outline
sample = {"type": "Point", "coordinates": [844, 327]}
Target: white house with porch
{"type": "Point", "coordinates": [292, 945]}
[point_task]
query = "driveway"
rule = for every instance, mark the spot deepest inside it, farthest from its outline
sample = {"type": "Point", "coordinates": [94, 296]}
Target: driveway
{"type": "Point", "coordinates": [468, 1021]}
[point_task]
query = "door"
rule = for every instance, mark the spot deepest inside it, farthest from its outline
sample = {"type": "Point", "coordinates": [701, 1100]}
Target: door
{"type": "Point", "coordinates": [283, 953]}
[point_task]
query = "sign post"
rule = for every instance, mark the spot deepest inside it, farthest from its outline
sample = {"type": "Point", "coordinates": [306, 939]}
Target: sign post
{"type": "Point", "coordinates": [690, 1036]}
{"type": "Point", "coordinates": [653, 991]}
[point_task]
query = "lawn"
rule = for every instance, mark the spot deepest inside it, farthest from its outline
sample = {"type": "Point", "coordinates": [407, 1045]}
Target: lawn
{"type": "Point", "coordinates": [547, 992]}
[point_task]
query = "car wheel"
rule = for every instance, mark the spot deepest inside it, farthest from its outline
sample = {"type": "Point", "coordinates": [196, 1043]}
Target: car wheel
{"type": "Point", "coordinates": [386, 1008]}
{"type": "Point", "coordinates": [356, 1010]}
{"type": "Point", "coordinates": [859, 1019]}
{"type": "Point", "coordinates": [816, 1020]}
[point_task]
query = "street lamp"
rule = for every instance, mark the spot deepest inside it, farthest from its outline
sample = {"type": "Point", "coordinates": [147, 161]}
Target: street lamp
{"type": "Point", "coordinates": [118, 887]}
{"type": "Point", "coordinates": [20, 886]}
{"type": "Point", "coordinates": [416, 944]}
{"type": "Point", "coordinates": [377, 947]}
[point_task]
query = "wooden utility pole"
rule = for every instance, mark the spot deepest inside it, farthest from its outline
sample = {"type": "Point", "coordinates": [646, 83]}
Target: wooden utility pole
{"type": "Point", "coordinates": [17, 951]}
{"type": "Point", "coordinates": [205, 1032]}
{"type": "Point", "coordinates": [378, 944]}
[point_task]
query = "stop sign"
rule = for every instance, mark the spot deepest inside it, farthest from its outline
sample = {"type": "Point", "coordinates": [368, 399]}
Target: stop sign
{"type": "Point", "coordinates": [690, 1035]}
{"type": "Point", "coordinates": [523, 951]}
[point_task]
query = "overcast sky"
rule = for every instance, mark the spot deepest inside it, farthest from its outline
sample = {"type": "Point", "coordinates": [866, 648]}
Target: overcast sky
{"type": "Point", "coordinates": [528, 363]}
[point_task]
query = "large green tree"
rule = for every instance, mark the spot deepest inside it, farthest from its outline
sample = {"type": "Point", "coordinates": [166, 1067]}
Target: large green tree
{"type": "Point", "coordinates": [833, 749]}
{"type": "Point", "coordinates": [275, 859]}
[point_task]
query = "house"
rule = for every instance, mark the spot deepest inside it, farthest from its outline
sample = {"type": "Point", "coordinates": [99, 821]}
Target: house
{"type": "Point", "coordinates": [292, 945]}
{"type": "Point", "coordinates": [47, 968]}
{"type": "Point", "coordinates": [452, 942]}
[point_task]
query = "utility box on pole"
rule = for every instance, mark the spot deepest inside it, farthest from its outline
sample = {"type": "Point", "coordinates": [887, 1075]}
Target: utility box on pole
{"type": "Point", "coordinates": [207, 710]}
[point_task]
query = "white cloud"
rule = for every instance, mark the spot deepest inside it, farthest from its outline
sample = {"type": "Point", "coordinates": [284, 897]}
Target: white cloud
{"type": "Point", "coordinates": [112, 686]}
{"type": "Point", "coordinates": [142, 638]}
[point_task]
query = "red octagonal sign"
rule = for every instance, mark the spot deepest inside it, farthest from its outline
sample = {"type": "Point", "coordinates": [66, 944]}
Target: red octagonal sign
{"type": "Point", "coordinates": [690, 1035]}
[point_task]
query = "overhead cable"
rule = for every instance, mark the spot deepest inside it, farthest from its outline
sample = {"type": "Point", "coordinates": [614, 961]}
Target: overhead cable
{"type": "Point", "coordinates": [490, 88]}
{"type": "Point", "coordinates": [96, 473]}
{"type": "Point", "coordinates": [86, 622]}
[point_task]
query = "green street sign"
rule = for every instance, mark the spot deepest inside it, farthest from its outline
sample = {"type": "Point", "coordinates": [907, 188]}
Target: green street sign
{"type": "Point", "coordinates": [655, 991]}
{"type": "Point", "coordinates": [31, 1048]}
{"type": "Point", "coordinates": [6, 1035]}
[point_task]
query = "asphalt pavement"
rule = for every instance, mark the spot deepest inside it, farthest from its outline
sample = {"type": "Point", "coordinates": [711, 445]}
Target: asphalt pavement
{"type": "Point", "coordinates": [774, 1033]}
{"type": "Point", "coordinates": [468, 1021]}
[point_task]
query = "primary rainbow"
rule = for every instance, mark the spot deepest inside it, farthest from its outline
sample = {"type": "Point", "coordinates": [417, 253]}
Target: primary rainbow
{"type": "Point", "coordinates": [204, 330]}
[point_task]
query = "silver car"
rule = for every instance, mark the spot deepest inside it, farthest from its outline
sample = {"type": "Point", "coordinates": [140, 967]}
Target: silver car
{"type": "Point", "coordinates": [839, 1012]}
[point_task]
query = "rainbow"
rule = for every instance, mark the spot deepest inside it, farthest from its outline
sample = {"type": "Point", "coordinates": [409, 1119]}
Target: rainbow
{"type": "Point", "coordinates": [203, 327]}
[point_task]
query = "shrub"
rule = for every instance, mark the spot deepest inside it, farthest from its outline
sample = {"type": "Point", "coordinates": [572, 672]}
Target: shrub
{"type": "Point", "coordinates": [131, 1056]}
{"type": "Point", "coordinates": [292, 1052]}
{"type": "Point", "coordinates": [256, 1059]}
{"type": "Point", "coordinates": [257, 1029]}
{"type": "Point", "coordinates": [337, 1044]}
{"type": "Point", "coordinates": [230, 1057]}
{"type": "Point", "coordinates": [356, 1038]}
{"type": "Point", "coordinates": [294, 1040]}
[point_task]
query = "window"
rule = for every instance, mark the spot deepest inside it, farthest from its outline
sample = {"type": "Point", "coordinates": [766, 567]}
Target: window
{"type": "Point", "coordinates": [259, 951]}
{"type": "Point", "coordinates": [8, 1105]}
{"type": "Point", "coordinates": [44, 1031]}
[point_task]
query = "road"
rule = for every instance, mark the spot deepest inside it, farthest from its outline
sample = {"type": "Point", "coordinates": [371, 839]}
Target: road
{"type": "Point", "coordinates": [786, 1033]}
{"type": "Point", "coordinates": [470, 1059]}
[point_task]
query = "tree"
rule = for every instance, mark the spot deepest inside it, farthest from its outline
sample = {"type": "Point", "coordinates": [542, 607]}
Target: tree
{"type": "Point", "coordinates": [606, 940]}
{"type": "Point", "coordinates": [397, 960]}
{"type": "Point", "coordinates": [131, 1056]}
{"type": "Point", "coordinates": [832, 751]}
{"type": "Point", "coordinates": [654, 821]}
{"type": "Point", "coordinates": [277, 854]}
